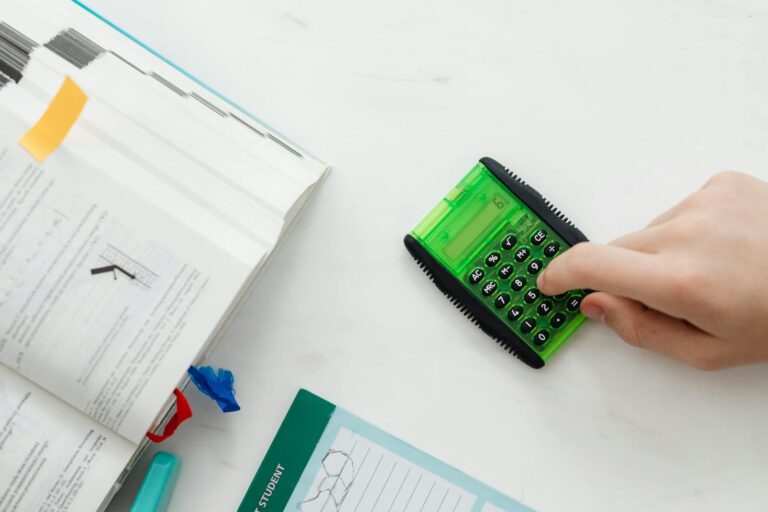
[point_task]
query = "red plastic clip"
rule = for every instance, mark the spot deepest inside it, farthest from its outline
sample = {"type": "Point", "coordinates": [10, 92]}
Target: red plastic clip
{"type": "Point", "coordinates": [183, 413]}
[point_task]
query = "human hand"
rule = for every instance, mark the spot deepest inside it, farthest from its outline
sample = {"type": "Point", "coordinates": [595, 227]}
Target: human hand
{"type": "Point", "coordinates": [693, 285]}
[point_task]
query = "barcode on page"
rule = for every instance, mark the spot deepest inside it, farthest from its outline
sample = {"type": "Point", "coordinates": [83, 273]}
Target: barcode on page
{"type": "Point", "coordinates": [15, 50]}
{"type": "Point", "coordinates": [75, 48]}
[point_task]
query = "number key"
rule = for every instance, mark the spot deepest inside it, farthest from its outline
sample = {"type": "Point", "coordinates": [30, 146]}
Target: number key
{"type": "Point", "coordinates": [541, 338]}
{"type": "Point", "coordinates": [535, 267]}
{"type": "Point", "coordinates": [545, 308]}
{"type": "Point", "coordinates": [528, 325]}
{"type": "Point", "coordinates": [515, 312]}
{"type": "Point", "coordinates": [502, 300]}
{"type": "Point", "coordinates": [531, 295]}
{"type": "Point", "coordinates": [518, 283]}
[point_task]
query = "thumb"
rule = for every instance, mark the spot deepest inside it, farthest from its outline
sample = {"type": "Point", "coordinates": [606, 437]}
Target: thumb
{"type": "Point", "coordinates": [646, 328]}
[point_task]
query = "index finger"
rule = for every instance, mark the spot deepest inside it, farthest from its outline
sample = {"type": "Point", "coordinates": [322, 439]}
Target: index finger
{"type": "Point", "coordinates": [608, 268]}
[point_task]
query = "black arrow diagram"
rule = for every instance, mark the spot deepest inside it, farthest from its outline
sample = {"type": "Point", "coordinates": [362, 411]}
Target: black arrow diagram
{"type": "Point", "coordinates": [113, 269]}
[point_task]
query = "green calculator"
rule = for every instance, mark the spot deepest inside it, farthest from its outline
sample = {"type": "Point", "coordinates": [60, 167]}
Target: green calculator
{"type": "Point", "coordinates": [484, 244]}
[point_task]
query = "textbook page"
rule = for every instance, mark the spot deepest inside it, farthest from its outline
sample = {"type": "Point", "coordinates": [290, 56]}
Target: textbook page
{"type": "Point", "coordinates": [104, 299]}
{"type": "Point", "coordinates": [69, 467]}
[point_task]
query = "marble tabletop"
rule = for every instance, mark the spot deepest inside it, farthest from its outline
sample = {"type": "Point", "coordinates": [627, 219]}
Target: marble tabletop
{"type": "Point", "coordinates": [615, 110]}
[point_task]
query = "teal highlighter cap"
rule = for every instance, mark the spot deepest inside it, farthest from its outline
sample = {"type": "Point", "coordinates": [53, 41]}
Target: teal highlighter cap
{"type": "Point", "coordinates": [156, 489]}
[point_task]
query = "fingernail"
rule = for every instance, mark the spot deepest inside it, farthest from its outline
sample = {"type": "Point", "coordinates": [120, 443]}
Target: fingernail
{"type": "Point", "coordinates": [540, 280]}
{"type": "Point", "coordinates": [593, 312]}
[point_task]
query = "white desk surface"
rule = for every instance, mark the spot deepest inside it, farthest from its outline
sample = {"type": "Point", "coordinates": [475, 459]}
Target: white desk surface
{"type": "Point", "coordinates": [615, 110]}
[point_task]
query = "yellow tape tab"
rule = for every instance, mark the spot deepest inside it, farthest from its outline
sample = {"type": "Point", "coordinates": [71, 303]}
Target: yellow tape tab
{"type": "Point", "coordinates": [49, 132]}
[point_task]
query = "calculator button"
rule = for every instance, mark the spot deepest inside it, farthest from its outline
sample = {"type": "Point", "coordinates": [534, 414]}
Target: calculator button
{"type": "Point", "coordinates": [522, 254]}
{"type": "Point", "coordinates": [515, 312]}
{"type": "Point", "coordinates": [493, 259]}
{"type": "Point", "coordinates": [505, 271]}
{"type": "Point", "coordinates": [476, 276]}
{"type": "Point", "coordinates": [557, 321]}
{"type": "Point", "coordinates": [535, 267]}
{"type": "Point", "coordinates": [538, 237]}
{"type": "Point", "coordinates": [528, 325]}
{"type": "Point", "coordinates": [508, 242]}
{"type": "Point", "coordinates": [545, 307]}
{"type": "Point", "coordinates": [502, 300]}
{"type": "Point", "coordinates": [489, 288]}
{"type": "Point", "coordinates": [518, 284]}
{"type": "Point", "coordinates": [531, 295]}
{"type": "Point", "coordinates": [541, 338]}
{"type": "Point", "coordinates": [551, 249]}
{"type": "Point", "coordinates": [573, 303]}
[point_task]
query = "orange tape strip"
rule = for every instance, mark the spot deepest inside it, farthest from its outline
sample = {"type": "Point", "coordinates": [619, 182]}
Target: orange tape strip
{"type": "Point", "coordinates": [49, 132]}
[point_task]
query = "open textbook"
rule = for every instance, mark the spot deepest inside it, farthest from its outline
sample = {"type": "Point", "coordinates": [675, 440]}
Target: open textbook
{"type": "Point", "coordinates": [177, 193]}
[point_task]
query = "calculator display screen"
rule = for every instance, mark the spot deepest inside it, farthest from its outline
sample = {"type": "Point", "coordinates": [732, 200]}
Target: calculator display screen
{"type": "Point", "coordinates": [461, 224]}
{"type": "Point", "coordinates": [472, 234]}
